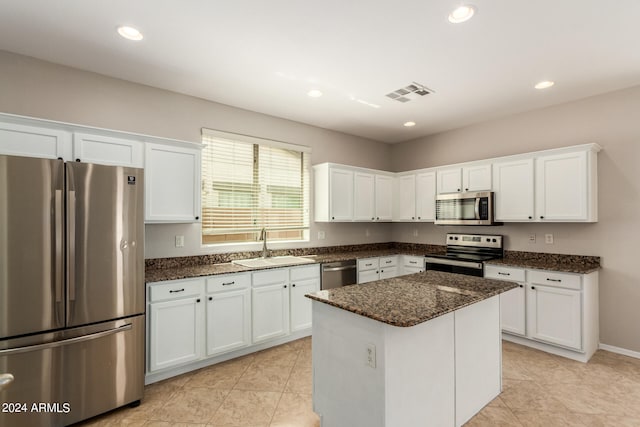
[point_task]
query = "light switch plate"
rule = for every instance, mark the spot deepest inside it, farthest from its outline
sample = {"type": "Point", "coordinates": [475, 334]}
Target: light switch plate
{"type": "Point", "coordinates": [532, 238]}
{"type": "Point", "coordinates": [548, 238]}
{"type": "Point", "coordinates": [321, 235]}
{"type": "Point", "coordinates": [371, 355]}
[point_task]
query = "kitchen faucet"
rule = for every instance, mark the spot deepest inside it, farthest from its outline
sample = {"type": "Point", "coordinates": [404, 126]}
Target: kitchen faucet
{"type": "Point", "coordinates": [263, 237]}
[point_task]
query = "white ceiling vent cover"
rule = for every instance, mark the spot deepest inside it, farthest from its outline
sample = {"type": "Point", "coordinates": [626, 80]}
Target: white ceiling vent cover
{"type": "Point", "coordinates": [407, 93]}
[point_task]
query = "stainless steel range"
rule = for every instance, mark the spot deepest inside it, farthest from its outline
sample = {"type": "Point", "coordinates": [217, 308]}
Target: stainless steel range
{"type": "Point", "coordinates": [466, 253]}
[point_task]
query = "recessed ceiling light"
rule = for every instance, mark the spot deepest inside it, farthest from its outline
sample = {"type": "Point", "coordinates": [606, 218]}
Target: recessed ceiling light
{"type": "Point", "coordinates": [462, 14]}
{"type": "Point", "coordinates": [314, 93]}
{"type": "Point", "coordinates": [130, 33]}
{"type": "Point", "coordinates": [409, 124]}
{"type": "Point", "coordinates": [544, 84]}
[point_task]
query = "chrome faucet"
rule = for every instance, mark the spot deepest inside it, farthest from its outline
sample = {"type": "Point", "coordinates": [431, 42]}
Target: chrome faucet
{"type": "Point", "coordinates": [263, 237]}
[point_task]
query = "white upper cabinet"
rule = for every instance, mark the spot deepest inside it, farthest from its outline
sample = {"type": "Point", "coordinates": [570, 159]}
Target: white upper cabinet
{"type": "Point", "coordinates": [425, 196]}
{"type": "Point", "coordinates": [562, 188]}
{"type": "Point", "coordinates": [449, 180]}
{"type": "Point", "coordinates": [513, 183]}
{"type": "Point", "coordinates": [34, 141]}
{"type": "Point", "coordinates": [172, 183]}
{"type": "Point", "coordinates": [341, 194]}
{"type": "Point", "coordinates": [384, 196]}
{"type": "Point", "coordinates": [466, 178]}
{"type": "Point", "coordinates": [364, 196]}
{"type": "Point", "coordinates": [476, 178]}
{"type": "Point", "coordinates": [405, 198]}
{"type": "Point", "coordinates": [108, 150]}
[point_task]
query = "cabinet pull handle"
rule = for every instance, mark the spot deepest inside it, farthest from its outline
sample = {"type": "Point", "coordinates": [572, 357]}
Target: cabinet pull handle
{"type": "Point", "coordinates": [413, 262]}
{"type": "Point", "coordinates": [504, 274]}
{"type": "Point", "coordinates": [554, 280]}
{"type": "Point", "coordinates": [228, 283]}
{"type": "Point", "coordinates": [368, 265]}
{"type": "Point", "coordinates": [388, 262]}
{"type": "Point", "coordinates": [176, 291]}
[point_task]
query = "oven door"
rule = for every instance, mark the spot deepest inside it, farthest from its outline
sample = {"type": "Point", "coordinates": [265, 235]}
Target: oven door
{"type": "Point", "coordinates": [465, 209]}
{"type": "Point", "coordinates": [468, 268]}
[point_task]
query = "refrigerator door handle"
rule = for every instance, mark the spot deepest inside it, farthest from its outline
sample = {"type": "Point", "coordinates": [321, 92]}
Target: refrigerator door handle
{"type": "Point", "coordinates": [5, 380]}
{"type": "Point", "coordinates": [71, 242]}
{"type": "Point", "coordinates": [68, 341]}
{"type": "Point", "coordinates": [59, 256]}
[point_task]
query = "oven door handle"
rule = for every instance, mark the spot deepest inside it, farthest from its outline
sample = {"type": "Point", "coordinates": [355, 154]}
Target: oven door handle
{"type": "Point", "coordinates": [476, 265]}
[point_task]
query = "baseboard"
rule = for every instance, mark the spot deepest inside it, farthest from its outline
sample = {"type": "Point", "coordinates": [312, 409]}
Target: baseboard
{"type": "Point", "coordinates": [619, 350]}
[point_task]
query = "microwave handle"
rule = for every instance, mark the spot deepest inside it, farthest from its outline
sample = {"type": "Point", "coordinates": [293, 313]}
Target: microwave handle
{"type": "Point", "coordinates": [477, 208]}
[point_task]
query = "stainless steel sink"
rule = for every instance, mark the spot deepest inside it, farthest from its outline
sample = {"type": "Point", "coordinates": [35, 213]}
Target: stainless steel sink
{"type": "Point", "coordinates": [273, 261]}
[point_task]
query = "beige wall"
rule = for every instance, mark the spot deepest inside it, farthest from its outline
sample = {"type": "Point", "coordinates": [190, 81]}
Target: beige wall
{"type": "Point", "coordinates": [41, 89]}
{"type": "Point", "coordinates": [611, 120]}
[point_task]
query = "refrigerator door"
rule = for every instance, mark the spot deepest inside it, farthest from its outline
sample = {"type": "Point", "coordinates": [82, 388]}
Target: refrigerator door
{"type": "Point", "coordinates": [67, 376]}
{"type": "Point", "coordinates": [31, 245]}
{"type": "Point", "coordinates": [105, 246]}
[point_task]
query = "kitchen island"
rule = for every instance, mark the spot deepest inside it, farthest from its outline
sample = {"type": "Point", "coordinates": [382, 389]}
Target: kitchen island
{"type": "Point", "coordinates": [417, 350]}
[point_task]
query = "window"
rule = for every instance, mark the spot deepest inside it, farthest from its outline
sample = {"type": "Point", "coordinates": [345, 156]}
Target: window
{"type": "Point", "coordinates": [250, 183]}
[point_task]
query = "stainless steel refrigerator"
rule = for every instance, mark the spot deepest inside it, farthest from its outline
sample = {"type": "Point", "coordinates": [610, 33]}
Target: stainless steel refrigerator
{"type": "Point", "coordinates": [71, 290]}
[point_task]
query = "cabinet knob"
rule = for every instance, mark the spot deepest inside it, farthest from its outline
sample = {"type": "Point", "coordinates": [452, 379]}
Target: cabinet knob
{"type": "Point", "coordinates": [333, 217]}
{"type": "Point", "coordinates": [293, 286]}
{"type": "Point", "coordinates": [381, 271]}
{"type": "Point", "coordinates": [530, 217]}
{"type": "Point", "coordinates": [541, 217]}
{"type": "Point", "coordinates": [198, 300]}
{"type": "Point", "coordinates": [372, 218]}
{"type": "Point", "coordinates": [533, 288]}
{"type": "Point", "coordinates": [522, 286]}
{"type": "Point", "coordinates": [210, 298]}
{"type": "Point", "coordinates": [413, 217]}
{"type": "Point", "coordinates": [285, 286]}
{"type": "Point", "coordinates": [377, 217]}
{"type": "Point", "coordinates": [77, 160]}
{"type": "Point", "coordinates": [419, 217]}
{"type": "Point", "coordinates": [466, 189]}
{"type": "Point", "coordinates": [376, 272]}
{"type": "Point", "coordinates": [197, 218]}
{"type": "Point", "coordinates": [458, 189]}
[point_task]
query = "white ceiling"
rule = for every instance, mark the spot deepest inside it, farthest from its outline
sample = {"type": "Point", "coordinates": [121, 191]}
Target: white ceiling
{"type": "Point", "coordinates": [265, 55]}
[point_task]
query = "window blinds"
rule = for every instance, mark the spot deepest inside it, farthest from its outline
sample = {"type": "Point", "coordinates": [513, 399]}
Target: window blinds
{"type": "Point", "coordinates": [249, 183]}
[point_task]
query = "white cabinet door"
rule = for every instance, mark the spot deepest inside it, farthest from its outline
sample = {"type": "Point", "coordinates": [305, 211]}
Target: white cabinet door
{"type": "Point", "coordinates": [340, 194]}
{"type": "Point", "coordinates": [425, 196]}
{"type": "Point", "coordinates": [405, 192]}
{"type": "Point", "coordinates": [228, 321]}
{"type": "Point", "coordinates": [368, 276]}
{"type": "Point", "coordinates": [561, 187]}
{"type": "Point", "coordinates": [450, 180]}
{"type": "Point", "coordinates": [270, 311]}
{"type": "Point", "coordinates": [172, 184]}
{"type": "Point", "coordinates": [175, 332]}
{"type": "Point", "coordinates": [513, 186]}
{"type": "Point", "coordinates": [554, 315]}
{"type": "Point", "coordinates": [476, 178]}
{"type": "Point", "coordinates": [388, 272]}
{"type": "Point", "coordinates": [107, 150]}
{"type": "Point", "coordinates": [512, 310]}
{"type": "Point", "coordinates": [364, 196]}
{"type": "Point", "coordinates": [32, 141]}
{"type": "Point", "coordinates": [384, 194]}
{"type": "Point", "coordinates": [301, 305]}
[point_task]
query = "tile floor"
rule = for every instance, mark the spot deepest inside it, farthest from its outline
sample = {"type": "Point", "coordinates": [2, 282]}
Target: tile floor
{"type": "Point", "coordinates": [273, 388]}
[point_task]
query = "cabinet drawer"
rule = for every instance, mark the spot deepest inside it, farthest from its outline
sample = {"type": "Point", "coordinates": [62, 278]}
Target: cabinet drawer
{"type": "Point", "coordinates": [175, 289]}
{"type": "Point", "coordinates": [306, 272]}
{"type": "Point", "coordinates": [388, 261]}
{"type": "Point", "coordinates": [269, 277]}
{"type": "Point", "coordinates": [413, 261]}
{"type": "Point", "coordinates": [228, 282]}
{"type": "Point", "coordinates": [504, 273]}
{"type": "Point", "coordinates": [551, 278]}
{"type": "Point", "coordinates": [368, 264]}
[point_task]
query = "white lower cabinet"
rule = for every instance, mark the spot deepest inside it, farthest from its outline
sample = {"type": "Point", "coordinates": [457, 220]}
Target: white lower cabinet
{"type": "Point", "coordinates": [552, 311]}
{"type": "Point", "coordinates": [270, 304]}
{"type": "Point", "coordinates": [176, 323]}
{"type": "Point", "coordinates": [228, 313]}
{"type": "Point", "coordinates": [304, 280]}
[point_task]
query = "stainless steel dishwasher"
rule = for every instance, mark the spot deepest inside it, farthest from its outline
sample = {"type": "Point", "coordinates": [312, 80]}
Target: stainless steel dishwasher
{"type": "Point", "coordinates": [340, 273]}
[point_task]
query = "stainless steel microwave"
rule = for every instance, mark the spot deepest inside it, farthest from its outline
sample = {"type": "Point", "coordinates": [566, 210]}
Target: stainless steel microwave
{"type": "Point", "coordinates": [474, 208]}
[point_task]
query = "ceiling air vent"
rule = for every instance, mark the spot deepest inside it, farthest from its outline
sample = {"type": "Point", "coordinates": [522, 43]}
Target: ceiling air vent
{"type": "Point", "coordinates": [407, 93]}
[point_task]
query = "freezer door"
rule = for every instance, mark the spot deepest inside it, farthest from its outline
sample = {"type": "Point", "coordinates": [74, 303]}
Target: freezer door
{"type": "Point", "coordinates": [31, 245]}
{"type": "Point", "coordinates": [105, 243]}
{"type": "Point", "coordinates": [64, 377]}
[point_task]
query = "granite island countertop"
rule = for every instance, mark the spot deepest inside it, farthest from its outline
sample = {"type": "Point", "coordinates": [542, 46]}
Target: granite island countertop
{"type": "Point", "coordinates": [416, 298]}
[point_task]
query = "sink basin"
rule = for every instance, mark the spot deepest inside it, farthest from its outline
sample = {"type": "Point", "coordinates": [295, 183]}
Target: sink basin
{"type": "Point", "coordinates": [272, 261]}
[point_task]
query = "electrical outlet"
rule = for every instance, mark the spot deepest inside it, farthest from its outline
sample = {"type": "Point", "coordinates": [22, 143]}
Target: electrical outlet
{"type": "Point", "coordinates": [532, 238]}
{"type": "Point", "coordinates": [367, 232]}
{"type": "Point", "coordinates": [321, 235]}
{"type": "Point", "coordinates": [179, 241]}
{"type": "Point", "coordinates": [548, 238]}
{"type": "Point", "coordinates": [371, 355]}
{"type": "Point", "coordinates": [415, 232]}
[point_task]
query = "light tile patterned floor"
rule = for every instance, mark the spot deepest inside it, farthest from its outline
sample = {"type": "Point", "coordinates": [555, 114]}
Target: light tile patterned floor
{"type": "Point", "coordinates": [273, 388]}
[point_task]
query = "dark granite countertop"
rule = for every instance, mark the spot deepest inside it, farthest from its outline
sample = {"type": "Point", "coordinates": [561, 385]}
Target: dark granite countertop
{"type": "Point", "coordinates": [409, 300]}
{"type": "Point", "coordinates": [190, 271]}
{"type": "Point", "coordinates": [580, 264]}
